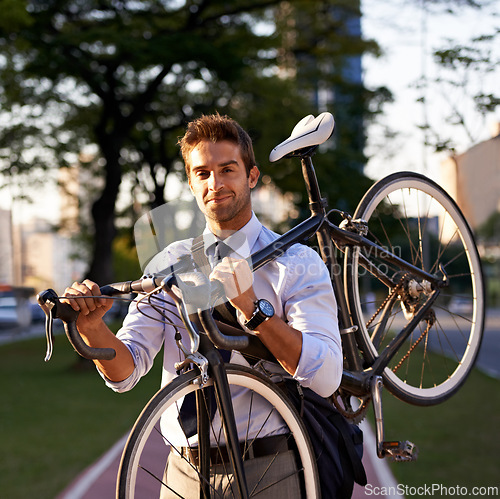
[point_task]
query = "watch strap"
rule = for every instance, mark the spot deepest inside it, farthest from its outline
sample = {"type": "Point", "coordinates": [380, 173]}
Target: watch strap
{"type": "Point", "coordinates": [257, 318]}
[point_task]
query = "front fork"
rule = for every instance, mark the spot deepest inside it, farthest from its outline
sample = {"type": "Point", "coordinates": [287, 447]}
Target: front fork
{"type": "Point", "coordinates": [224, 405]}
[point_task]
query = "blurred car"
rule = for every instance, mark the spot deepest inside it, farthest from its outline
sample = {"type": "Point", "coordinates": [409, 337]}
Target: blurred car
{"type": "Point", "coordinates": [8, 312]}
{"type": "Point", "coordinates": [15, 310]}
{"type": "Point", "coordinates": [37, 314]}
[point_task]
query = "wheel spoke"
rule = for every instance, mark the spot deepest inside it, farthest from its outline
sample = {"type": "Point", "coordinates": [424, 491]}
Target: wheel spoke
{"type": "Point", "coordinates": [413, 214]}
{"type": "Point", "coordinates": [253, 393]}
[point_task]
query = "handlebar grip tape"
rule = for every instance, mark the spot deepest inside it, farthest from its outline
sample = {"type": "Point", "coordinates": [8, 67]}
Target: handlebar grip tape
{"type": "Point", "coordinates": [82, 348]}
{"type": "Point", "coordinates": [69, 316]}
{"type": "Point", "coordinates": [218, 338]}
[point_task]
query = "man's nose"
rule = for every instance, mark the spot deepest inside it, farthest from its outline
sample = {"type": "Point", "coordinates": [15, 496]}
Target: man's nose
{"type": "Point", "coordinates": [215, 182]}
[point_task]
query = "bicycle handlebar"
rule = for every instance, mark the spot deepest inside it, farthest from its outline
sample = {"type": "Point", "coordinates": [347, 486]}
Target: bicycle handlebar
{"type": "Point", "coordinates": [196, 290]}
{"type": "Point", "coordinates": [55, 309]}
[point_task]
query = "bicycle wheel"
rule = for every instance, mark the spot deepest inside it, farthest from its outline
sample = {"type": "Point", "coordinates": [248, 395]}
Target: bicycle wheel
{"type": "Point", "coordinates": [141, 472]}
{"type": "Point", "coordinates": [414, 218]}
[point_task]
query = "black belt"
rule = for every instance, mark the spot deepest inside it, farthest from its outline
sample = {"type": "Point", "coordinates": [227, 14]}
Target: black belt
{"type": "Point", "coordinates": [258, 447]}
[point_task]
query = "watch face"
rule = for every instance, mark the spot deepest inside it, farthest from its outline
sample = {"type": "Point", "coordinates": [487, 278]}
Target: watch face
{"type": "Point", "coordinates": [266, 308]}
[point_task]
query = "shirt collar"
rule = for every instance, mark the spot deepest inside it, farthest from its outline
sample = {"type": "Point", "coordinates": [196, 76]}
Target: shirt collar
{"type": "Point", "coordinates": [241, 242]}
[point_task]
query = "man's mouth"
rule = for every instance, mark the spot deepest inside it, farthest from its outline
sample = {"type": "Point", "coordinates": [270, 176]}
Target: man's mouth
{"type": "Point", "coordinates": [218, 199]}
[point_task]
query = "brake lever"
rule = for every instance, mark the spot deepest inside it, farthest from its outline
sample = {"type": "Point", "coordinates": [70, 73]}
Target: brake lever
{"type": "Point", "coordinates": [46, 302]}
{"type": "Point", "coordinates": [49, 333]}
{"type": "Point", "coordinates": [53, 308]}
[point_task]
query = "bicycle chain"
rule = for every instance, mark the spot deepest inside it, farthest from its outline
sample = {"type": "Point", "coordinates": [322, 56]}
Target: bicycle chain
{"type": "Point", "coordinates": [394, 290]}
{"type": "Point", "coordinates": [357, 415]}
{"type": "Point", "coordinates": [422, 336]}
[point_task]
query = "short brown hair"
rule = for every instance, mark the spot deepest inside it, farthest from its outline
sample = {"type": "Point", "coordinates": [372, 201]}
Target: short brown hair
{"type": "Point", "coordinates": [216, 128]}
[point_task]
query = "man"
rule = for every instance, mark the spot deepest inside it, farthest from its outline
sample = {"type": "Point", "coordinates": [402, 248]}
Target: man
{"type": "Point", "coordinates": [299, 324]}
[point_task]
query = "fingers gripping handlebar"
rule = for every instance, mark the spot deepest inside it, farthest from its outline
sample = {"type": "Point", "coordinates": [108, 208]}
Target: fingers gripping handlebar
{"type": "Point", "coordinates": [196, 290]}
{"type": "Point", "coordinates": [55, 309]}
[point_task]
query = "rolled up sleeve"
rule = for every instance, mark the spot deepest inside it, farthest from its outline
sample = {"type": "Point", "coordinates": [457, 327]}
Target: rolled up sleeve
{"type": "Point", "coordinates": [311, 308]}
{"type": "Point", "coordinates": [144, 338]}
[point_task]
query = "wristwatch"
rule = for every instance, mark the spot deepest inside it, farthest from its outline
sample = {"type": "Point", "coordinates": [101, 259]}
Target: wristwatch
{"type": "Point", "coordinates": [263, 311]}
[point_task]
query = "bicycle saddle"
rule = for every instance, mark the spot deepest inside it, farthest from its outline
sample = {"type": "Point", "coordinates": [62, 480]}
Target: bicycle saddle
{"type": "Point", "coordinates": [308, 132]}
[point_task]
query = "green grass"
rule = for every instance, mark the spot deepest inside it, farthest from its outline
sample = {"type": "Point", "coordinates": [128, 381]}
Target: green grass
{"type": "Point", "coordinates": [56, 418]}
{"type": "Point", "coordinates": [458, 440]}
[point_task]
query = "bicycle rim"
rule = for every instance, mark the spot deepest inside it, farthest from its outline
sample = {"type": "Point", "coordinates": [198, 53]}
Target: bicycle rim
{"type": "Point", "coordinates": [415, 219]}
{"type": "Point", "coordinates": [144, 457]}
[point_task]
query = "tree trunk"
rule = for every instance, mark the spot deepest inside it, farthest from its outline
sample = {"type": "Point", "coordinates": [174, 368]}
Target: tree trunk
{"type": "Point", "coordinates": [103, 215]}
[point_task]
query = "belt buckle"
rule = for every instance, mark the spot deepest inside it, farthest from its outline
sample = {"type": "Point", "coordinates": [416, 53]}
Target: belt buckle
{"type": "Point", "coordinates": [190, 455]}
{"type": "Point", "coordinates": [218, 455]}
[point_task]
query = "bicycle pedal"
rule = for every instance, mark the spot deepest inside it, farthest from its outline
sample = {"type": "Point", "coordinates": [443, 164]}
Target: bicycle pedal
{"type": "Point", "coordinates": [400, 451]}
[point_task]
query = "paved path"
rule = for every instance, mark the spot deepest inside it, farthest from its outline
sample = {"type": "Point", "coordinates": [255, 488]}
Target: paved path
{"type": "Point", "coordinates": [98, 481]}
{"type": "Point", "coordinates": [489, 353]}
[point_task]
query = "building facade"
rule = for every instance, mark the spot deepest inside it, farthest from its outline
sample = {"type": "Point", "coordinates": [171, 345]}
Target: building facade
{"type": "Point", "coordinates": [473, 180]}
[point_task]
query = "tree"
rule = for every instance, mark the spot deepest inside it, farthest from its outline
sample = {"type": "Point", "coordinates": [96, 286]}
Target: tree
{"type": "Point", "coordinates": [464, 69]}
{"type": "Point", "coordinates": [464, 83]}
{"type": "Point", "coordinates": [127, 75]}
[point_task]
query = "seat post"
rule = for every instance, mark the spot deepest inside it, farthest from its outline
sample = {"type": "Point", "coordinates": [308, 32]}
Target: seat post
{"type": "Point", "coordinates": [316, 202]}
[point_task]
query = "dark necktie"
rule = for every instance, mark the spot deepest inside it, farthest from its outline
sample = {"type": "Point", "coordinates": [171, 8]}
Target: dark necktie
{"type": "Point", "coordinates": [221, 250]}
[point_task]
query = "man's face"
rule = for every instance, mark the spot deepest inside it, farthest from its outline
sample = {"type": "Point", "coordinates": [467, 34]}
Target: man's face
{"type": "Point", "coordinates": [219, 182]}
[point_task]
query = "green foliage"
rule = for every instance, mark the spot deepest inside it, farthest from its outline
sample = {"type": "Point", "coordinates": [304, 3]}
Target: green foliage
{"type": "Point", "coordinates": [463, 70]}
{"type": "Point", "coordinates": [125, 261]}
{"type": "Point", "coordinates": [489, 235]}
{"type": "Point", "coordinates": [490, 230]}
{"type": "Point", "coordinates": [14, 15]}
{"type": "Point", "coordinates": [127, 76]}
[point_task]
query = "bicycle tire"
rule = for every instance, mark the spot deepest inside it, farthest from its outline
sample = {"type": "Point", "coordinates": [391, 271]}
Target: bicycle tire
{"type": "Point", "coordinates": [133, 456]}
{"type": "Point", "coordinates": [409, 214]}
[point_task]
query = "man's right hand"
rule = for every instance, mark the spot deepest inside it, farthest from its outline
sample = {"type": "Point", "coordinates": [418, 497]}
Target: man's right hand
{"type": "Point", "coordinates": [84, 298]}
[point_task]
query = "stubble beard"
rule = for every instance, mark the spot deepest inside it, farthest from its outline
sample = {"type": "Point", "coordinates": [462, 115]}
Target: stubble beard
{"type": "Point", "coordinates": [224, 214]}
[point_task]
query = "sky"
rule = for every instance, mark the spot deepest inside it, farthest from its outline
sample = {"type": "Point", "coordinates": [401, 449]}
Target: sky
{"type": "Point", "coordinates": [407, 34]}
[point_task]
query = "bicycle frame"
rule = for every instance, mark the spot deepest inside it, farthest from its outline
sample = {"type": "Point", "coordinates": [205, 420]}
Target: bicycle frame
{"type": "Point", "coordinates": [355, 379]}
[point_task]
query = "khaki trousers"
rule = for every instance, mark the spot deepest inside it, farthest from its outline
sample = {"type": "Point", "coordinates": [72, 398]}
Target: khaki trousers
{"type": "Point", "coordinates": [180, 475]}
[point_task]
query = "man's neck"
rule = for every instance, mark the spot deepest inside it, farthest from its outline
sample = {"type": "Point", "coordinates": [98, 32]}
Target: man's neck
{"type": "Point", "coordinates": [225, 229]}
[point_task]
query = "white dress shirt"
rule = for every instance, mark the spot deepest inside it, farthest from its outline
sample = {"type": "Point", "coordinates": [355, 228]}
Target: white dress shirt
{"type": "Point", "coordinates": [298, 286]}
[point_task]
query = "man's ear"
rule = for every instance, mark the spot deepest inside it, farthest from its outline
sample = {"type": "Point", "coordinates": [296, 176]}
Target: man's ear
{"type": "Point", "coordinates": [253, 177]}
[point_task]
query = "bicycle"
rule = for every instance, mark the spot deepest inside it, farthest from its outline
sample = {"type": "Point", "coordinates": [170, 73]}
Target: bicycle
{"type": "Point", "coordinates": [407, 254]}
